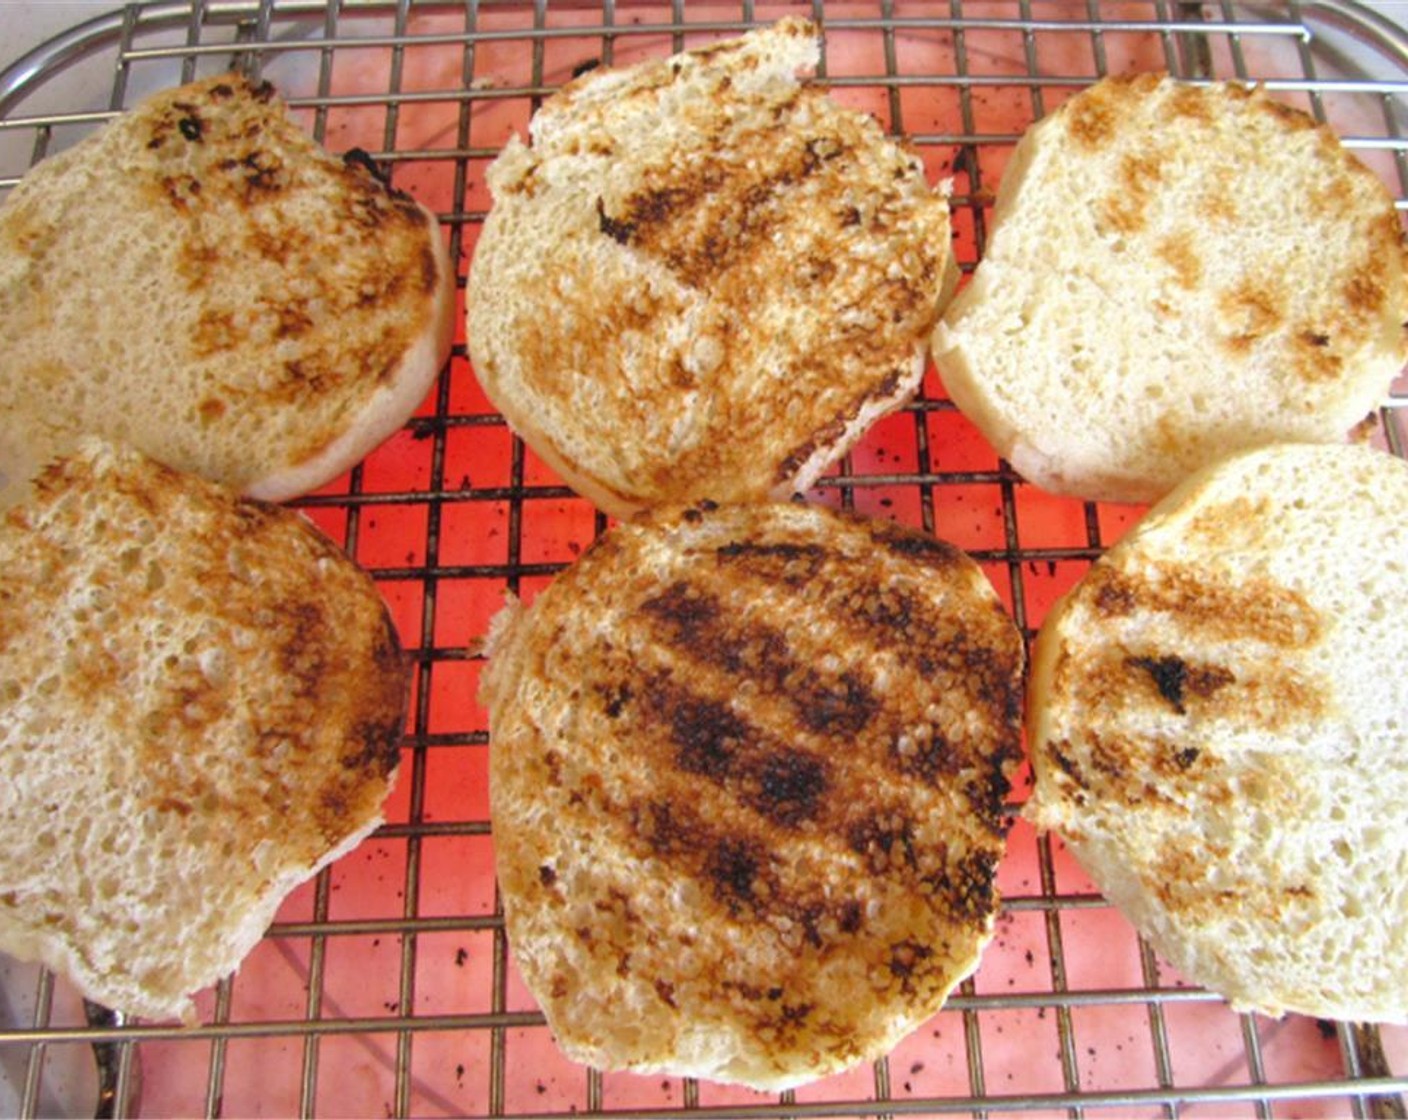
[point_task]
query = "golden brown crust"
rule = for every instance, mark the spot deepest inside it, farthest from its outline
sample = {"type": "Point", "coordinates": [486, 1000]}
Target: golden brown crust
{"type": "Point", "coordinates": [290, 285]}
{"type": "Point", "coordinates": [800, 723]}
{"type": "Point", "coordinates": [204, 704]}
{"type": "Point", "coordinates": [1214, 721]}
{"type": "Point", "coordinates": [763, 277]}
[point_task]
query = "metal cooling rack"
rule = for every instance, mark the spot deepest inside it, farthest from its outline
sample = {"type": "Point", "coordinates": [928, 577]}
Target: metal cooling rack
{"type": "Point", "coordinates": [385, 986]}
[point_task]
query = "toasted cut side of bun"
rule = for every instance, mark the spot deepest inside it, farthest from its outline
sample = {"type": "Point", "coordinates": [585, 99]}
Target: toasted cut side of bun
{"type": "Point", "coordinates": [199, 279]}
{"type": "Point", "coordinates": [703, 278]}
{"type": "Point", "coordinates": [203, 700]}
{"type": "Point", "coordinates": [747, 776]}
{"type": "Point", "coordinates": [1217, 726]}
{"type": "Point", "coordinates": [1175, 273]}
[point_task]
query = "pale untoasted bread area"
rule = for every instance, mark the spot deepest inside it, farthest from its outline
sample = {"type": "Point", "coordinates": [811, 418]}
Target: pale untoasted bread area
{"type": "Point", "coordinates": [201, 280]}
{"type": "Point", "coordinates": [203, 703]}
{"type": "Point", "coordinates": [1217, 721]}
{"type": "Point", "coordinates": [747, 774]}
{"type": "Point", "coordinates": [1175, 274]}
{"type": "Point", "coordinates": [704, 278]}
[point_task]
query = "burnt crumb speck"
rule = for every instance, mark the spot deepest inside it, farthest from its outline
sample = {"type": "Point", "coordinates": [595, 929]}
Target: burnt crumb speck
{"type": "Point", "coordinates": [461, 955]}
{"type": "Point", "coordinates": [618, 231]}
{"type": "Point", "coordinates": [1170, 675]}
{"type": "Point", "coordinates": [1186, 757]}
{"type": "Point", "coordinates": [360, 157]}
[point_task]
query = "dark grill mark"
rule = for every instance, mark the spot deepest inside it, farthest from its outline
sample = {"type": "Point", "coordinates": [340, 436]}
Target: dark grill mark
{"type": "Point", "coordinates": [792, 785]}
{"type": "Point", "coordinates": [707, 735]}
{"type": "Point", "coordinates": [843, 707]}
{"type": "Point", "coordinates": [784, 785]}
{"type": "Point", "coordinates": [1176, 679]}
{"type": "Point", "coordinates": [619, 231]}
{"type": "Point", "coordinates": [693, 622]}
{"type": "Point", "coordinates": [731, 866]}
{"type": "Point", "coordinates": [790, 564]}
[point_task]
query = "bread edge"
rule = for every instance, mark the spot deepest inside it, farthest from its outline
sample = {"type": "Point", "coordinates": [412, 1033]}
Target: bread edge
{"type": "Point", "coordinates": [390, 405]}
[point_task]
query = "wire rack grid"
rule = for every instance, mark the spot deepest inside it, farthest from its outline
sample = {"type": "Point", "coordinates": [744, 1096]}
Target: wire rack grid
{"type": "Point", "coordinates": [385, 986]}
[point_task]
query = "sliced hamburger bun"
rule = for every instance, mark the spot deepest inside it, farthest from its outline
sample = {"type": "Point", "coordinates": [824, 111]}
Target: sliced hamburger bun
{"type": "Point", "coordinates": [703, 277]}
{"type": "Point", "coordinates": [203, 699]}
{"type": "Point", "coordinates": [1219, 727]}
{"type": "Point", "coordinates": [1175, 273]}
{"type": "Point", "coordinates": [747, 775]}
{"type": "Point", "coordinates": [201, 280]}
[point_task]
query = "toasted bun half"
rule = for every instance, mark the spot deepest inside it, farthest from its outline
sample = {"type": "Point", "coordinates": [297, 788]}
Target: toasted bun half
{"type": "Point", "coordinates": [1175, 273]}
{"type": "Point", "coordinates": [1217, 724]}
{"type": "Point", "coordinates": [203, 699]}
{"type": "Point", "coordinates": [747, 776]}
{"type": "Point", "coordinates": [704, 278]}
{"type": "Point", "coordinates": [200, 280]}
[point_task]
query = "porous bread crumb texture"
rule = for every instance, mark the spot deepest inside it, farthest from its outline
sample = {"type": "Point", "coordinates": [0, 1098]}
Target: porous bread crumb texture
{"type": "Point", "coordinates": [748, 768]}
{"type": "Point", "coordinates": [203, 699]}
{"type": "Point", "coordinates": [702, 273]}
{"type": "Point", "coordinates": [202, 280]}
{"type": "Point", "coordinates": [1219, 727]}
{"type": "Point", "coordinates": [1175, 273]}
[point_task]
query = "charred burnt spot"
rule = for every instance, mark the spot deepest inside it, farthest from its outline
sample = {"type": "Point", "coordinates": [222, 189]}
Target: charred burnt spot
{"type": "Point", "coordinates": [731, 867]}
{"type": "Point", "coordinates": [263, 92]}
{"type": "Point", "coordinates": [1061, 755]}
{"type": "Point", "coordinates": [850, 916]}
{"type": "Point", "coordinates": [906, 960]}
{"type": "Point", "coordinates": [966, 886]}
{"type": "Point", "coordinates": [931, 551]}
{"type": "Point", "coordinates": [820, 150]}
{"type": "Point", "coordinates": [850, 216]}
{"type": "Point", "coordinates": [360, 157]}
{"type": "Point", "coordinates": [687, 614]}
{"type": "Point", "coordinates": [885, 841]}
{"type": "Point", "coordinates": [791, 785]}
{"type": "Point", "coordinates": [192, 127]}
{"type": "Point", "coordinates": [1185, 757]}
{"type": "Point", "coordinates": [707, 735]}
{"type": "Point", "coordinates": [1177, 679]}
{"type": "Point", "coordinates": [925, 753]}
{"type": "Point", "coordinates": [374, 746]}
{"type": "Point", "coordinates": [222, 91]}
{"type": "Point", "coordinates": [259, 173]}
{"type": "Point", "coordinates": [586, 66]}
{"type": "Point", "coordinates": [834, 707]}
{"type": "Point", "coordinates": [1169, 674]}
{"type": "Point", "coordinates": [547, 875]}
{"type": "Point", "coordinates": [785, 786]}
{"type": "Point", "coordinates": [620, 232]}
{"type": "Point", "coordinates": [987, 794]}
{"type": "Point", "coordinates": [614, 698]}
